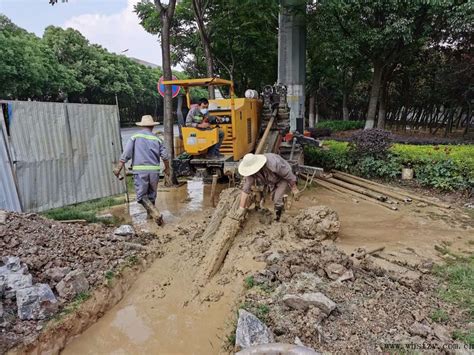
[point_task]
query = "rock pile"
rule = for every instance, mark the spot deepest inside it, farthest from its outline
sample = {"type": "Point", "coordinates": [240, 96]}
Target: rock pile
{"type": "Point", "coordinates": [320, 297]}
{"type": "Point", "coordinates": [46, 264]}
{"type": "Point", "coordinates": [52, 249]}
{"type": "Point", "coordinates": [33, 301]}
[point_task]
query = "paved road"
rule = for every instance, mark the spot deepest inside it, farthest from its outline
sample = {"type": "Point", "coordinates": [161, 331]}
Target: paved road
{"type": "Point", "coordinates": [128, 132]}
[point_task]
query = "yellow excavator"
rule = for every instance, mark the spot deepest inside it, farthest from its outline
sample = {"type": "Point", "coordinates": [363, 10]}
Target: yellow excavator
{"type": "Point", "coordinates": [238, 117]}
{"type": "Point", "coordinates": [256, 123]}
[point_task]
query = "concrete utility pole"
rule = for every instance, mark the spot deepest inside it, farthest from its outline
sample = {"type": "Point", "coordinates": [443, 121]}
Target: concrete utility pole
{"type": "Point", "coordinates": [292, 58]}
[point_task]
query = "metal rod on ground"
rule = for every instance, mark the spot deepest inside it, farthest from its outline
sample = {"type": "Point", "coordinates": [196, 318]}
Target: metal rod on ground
{"type": "Point", "coordinates": [397, 190]}
{"type": "Point", "coordinates": [371, 187]}
{"type": "Point", "coordinates": [305, 177]}
{"type": "Point", "coordinates": [73, 221]}
{"type": "Point", "coordinates": [345, 191]}
{"type": "Point", "coordinates": [370, 252]}
{"type": "Point", "coordinates": [213, 190]}
{"type": "Point", "coordinates": [355, 188]}
{"type": "Point", "coordinates": [262, 142]}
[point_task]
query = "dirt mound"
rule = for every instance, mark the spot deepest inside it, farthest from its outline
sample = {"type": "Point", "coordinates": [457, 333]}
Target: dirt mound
{"type": "Point", "coordinates": [51, 250]}
{"type": "Point", "coordinates": [317, 222]}
{"type": "Point", "coordinates": [330, 302]}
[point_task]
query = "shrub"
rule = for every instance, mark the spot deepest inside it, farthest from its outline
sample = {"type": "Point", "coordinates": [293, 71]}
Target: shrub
{"type": "Point", "coordinates": [371, 167]}
{"type": "Point", "coordinates": [444, 168]}
{"type": "Point", "coordinates": [443, 175]}
{"type": "Point", "coordinates": [370, 143]}
{"type": "Point", "coordinates": [336, 126]}
{"type": "Point", "coordinates": [461, 155]}
{"type": "Point", "coordinates": [335, 157]}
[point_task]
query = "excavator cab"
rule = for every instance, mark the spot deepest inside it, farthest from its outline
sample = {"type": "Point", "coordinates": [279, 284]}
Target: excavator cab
{"type": "Point", "coordinates": [239, 119]}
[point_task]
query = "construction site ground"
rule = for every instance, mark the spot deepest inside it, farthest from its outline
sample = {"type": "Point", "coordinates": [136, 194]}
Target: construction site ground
{"type": "Point", "coordinates": [172, 308]}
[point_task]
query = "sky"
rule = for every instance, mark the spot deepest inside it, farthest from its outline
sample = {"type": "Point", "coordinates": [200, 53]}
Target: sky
{"type": "Point", "coordinates": [110, 23]}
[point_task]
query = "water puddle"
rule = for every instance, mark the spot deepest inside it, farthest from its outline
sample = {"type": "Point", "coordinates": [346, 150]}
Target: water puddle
{"type": "Point", "coordinates": [173, 203]}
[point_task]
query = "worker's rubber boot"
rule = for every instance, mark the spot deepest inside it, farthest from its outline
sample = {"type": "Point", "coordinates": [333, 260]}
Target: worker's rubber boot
{"type": "Point", "coordinates": [152, 211]}
{"type": "Point", "coordinates": [278, 212]}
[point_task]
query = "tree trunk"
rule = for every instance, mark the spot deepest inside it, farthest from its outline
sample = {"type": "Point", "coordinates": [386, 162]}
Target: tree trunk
{"type": "Point", "coordinates": [374, 95]}
{"type": "Point", "coordinates": [166, 16]}
{"type": "Point", "coordinates": [311, 111]}
{"type": "Point", "coordinates": [316, 112]}
{"type": "Point", "coordinates": [345, 109]}
{"type": "Point", "coordinates": [206, 43]}
{"type": "Point", "coordinates": [382, 109]}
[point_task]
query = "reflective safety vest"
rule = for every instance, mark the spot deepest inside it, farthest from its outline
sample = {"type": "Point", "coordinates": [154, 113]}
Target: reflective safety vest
{"type": "Point", "coordinates": [143, 167]}
{"type": "Point", "coordinates": [198, 119]}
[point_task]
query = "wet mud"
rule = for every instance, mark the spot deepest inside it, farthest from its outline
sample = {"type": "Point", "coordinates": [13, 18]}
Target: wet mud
{"type": "Point", "coordinates": [170, 310]}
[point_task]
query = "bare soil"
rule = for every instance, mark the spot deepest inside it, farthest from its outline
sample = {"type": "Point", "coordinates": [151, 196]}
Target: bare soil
{"type": "Point", "coordinates": [171, 308]}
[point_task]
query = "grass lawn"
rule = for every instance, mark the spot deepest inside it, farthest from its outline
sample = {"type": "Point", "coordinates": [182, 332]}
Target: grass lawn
{"type": "Point", "coordinates": [458, 275]}
{"type": "Point", "coordinates": [86, 210]}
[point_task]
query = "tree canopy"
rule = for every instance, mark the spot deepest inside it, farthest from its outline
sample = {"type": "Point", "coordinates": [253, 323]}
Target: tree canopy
{"type": "Point", "coordinates": [63, 65]}
{"type": "Point", "coordinates": [371, 60]}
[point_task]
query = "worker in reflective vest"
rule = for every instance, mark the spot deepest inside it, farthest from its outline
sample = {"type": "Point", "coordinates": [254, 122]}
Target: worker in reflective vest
{"type": "Point", "coordinates": [145, 150]}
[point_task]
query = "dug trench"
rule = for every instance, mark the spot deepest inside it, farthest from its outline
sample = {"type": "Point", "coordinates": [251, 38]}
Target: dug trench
{"type": "Point", "coordinates": [186, 301]}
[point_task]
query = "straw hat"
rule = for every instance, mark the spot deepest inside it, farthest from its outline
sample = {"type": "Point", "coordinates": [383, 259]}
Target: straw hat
{"type": "Point", "coordinates": [147, 121]}
{"type": "Point", "coordinates": [251, 164]}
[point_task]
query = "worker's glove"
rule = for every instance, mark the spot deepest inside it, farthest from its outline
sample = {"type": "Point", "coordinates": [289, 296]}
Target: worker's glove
{"type": "Point", "coordinates": [296, 193]}
{"type": "Point", "coordinates": [117, 172]}
{"type": "Point", "coordinates": [238, 214]}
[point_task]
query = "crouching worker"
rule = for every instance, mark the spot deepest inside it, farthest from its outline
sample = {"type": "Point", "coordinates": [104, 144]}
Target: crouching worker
{"type": "Point", "coordinates": [145, 150]}
{"type": "Point", "coordinates": [270, 170]}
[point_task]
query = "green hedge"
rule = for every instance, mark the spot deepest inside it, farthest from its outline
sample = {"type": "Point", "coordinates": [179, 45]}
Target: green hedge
{"type": "Point", "coordinates": [442, 167]}
{"type": "Point", "coordinates": [336, 126]}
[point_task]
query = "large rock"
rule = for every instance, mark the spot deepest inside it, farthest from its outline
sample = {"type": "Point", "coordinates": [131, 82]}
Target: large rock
{"type": "Point", "coordinates": [420, 329]}
{"type": "Point", "coordinates": [3, 286]}
{"type": "Point", "coordinates": [73, 284]}
{"type": "Point", "coordinates": [13, 276]}
{"type": "Point", "coordinates": [251, 331]}
{"type": "Point", "coordinates": [316, 299]}
{"type": "Point", "coordinates": [305, 282]}
{"type": "Point", "coordinates": [36, 302]}
{"type": "Point", "coordinates": [12, 264]}
{"type": "Point", "coordinates": [56, 274]}
{"type": "Point", "coordinates": [317, 222]}
{"type": "Point", "coordinates": [124, 230]}
{"type": "Point", "coordinates": [3, 217]}
{"type": "Point", "coordinates": [334, 270]}
{"type": "Point", "coordinates": [441, 333]}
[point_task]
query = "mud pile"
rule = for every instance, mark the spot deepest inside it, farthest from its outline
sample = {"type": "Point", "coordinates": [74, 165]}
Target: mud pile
{"type": "Point", "coordinates": [320, 297]}
{"type": "Point", "coordinates": [317, 222]}
{"type": "Point", "coordinates": [62, 256]}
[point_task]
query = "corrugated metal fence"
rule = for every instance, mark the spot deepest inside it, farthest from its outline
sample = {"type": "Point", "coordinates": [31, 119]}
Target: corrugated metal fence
{"type": "Point", "coordinates": [8, 192]}
{"type": "Point", "coordinates": [63, 153]}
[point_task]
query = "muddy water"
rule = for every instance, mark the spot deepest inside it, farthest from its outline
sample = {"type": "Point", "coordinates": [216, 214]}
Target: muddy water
{"type": "Point", "coordinates": [159, 316]}
{"type": "Point", "coordinates": [173, 203]}
{"type": "Point", "coordinates": [409, 233]}
{"type": "Point", "coordinates": [166, 313]}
